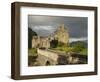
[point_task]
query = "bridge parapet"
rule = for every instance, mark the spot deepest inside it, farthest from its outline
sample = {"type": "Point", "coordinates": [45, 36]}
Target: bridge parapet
{"type": "Point", "coordinates": [49, 54]}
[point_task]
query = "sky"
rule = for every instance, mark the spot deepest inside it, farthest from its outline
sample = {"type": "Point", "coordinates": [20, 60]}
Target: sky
{"type": "Point", "coordinates": [46, 25]}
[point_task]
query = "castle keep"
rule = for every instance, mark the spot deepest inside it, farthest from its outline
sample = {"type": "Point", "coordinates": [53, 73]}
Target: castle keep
{"type": "Point", "coordinates": [60, 35]}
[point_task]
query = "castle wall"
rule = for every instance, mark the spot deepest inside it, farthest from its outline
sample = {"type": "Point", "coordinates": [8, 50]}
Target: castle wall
{"type": "Point", "coordinates": [38, 42]}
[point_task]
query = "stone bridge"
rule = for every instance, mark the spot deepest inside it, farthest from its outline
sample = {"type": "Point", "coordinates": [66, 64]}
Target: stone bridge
{"type": "Point", "coordinates": [47, 57]}
{"type": "Point", "coordinates": [50, 57]}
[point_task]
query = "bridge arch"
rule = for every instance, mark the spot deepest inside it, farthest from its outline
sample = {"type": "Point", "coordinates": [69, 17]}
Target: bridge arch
{"type": "Point", "coordinates": [48, 63]}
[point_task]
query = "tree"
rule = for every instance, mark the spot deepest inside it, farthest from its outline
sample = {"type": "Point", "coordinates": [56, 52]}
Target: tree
{"type": "Point", "coordinates": [30, 35]}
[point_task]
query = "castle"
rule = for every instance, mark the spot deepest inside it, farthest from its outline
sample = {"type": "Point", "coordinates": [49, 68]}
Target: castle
{"type": "Point", "coordinates": [60, 35]}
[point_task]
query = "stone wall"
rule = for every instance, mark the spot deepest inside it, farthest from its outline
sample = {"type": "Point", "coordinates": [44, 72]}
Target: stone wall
{"type": "Point", "coordinates": [45, 56]}
{"type": "Point", "coordinates": [48, 54]}
{"type": "Point", "coordinates": [38, 42]}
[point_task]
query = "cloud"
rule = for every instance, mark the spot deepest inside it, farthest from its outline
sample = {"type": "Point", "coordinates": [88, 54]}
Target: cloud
{"type": "Point", "coordinates": [43, 28]}
{"type": "Point", "coordinates": [44, 25]}
{"type": "Point", "coordinates": [78, 39]}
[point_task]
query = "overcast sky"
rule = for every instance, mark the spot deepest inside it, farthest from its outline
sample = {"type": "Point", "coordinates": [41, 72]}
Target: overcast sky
{"type": "Point", "coordinates": [45, 25]}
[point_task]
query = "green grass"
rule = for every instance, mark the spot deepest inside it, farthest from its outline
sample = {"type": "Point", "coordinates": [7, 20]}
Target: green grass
{"type": "Point", "coordinates": [32, 52]}
{"type": "Point", "coordinates": [66, 49]}
{"type": "Point", "coordinates": [84, 51]}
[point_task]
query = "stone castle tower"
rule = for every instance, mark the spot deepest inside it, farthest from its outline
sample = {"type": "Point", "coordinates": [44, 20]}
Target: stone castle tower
{"type": "Point", "coordinates": [61, 35]}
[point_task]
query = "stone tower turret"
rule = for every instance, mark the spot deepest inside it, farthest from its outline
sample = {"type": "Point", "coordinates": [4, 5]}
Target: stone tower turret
{"type": "Point", "coordinates": [62, 34]}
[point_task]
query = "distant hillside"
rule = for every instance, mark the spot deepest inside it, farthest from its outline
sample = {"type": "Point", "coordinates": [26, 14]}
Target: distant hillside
{"type": "Point", "coordinates": [77, 43]}
{"type": "Point", "coordinates": [80, 47]}
{"type": "Point", "coordinates": [30, 34]}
